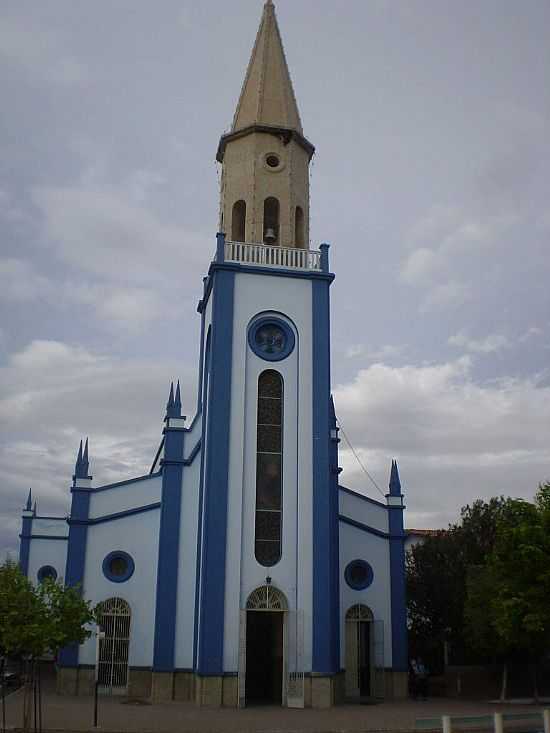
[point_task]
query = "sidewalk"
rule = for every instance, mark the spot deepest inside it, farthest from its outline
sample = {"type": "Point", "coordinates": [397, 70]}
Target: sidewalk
{"type": "Point", "coordinates": [119, 715]}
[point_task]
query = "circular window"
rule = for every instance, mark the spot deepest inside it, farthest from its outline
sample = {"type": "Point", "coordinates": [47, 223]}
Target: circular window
{"type": "Point", "coordinates": [118, 566]}
{"type": "Point", "coordinates": [272, 160]}
{"type": "Point", "coordinates": [46, 571]}
{"type": "Point", "coordinates": [271, 339]}
{"type": "Point", "coordinates": [358, 574]}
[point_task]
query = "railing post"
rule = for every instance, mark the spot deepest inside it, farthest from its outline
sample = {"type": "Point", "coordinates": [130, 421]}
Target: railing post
{"type": "Point", "coordinates": [546, 719]}
{"type": "Point", "coordinates": [220, 247]}
{"type": "Point", "coordinates": [445, 720]}
{"type": "Point", "coordinates": [324, 257]}
{"type": "Point", "coordinates": [498, 724]}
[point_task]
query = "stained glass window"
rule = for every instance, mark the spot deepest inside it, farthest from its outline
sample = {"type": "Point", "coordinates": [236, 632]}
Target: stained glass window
{"type": "Point", "coordinates": [269, 468]}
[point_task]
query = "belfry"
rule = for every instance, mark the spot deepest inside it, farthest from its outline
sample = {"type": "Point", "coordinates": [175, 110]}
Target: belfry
{"type": "Point", "coordinates": [239, 570]}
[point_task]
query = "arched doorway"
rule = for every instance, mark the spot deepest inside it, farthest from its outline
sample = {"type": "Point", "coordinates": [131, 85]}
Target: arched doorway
{"type": "Point", "coordinates": [359, 651]}
{"type": "Point", "coordinates": [114, 616]}
{"type": "Point", "coordinates": [265, 646]}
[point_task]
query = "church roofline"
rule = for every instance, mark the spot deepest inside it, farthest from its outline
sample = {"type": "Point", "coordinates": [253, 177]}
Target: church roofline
{"type": "Point", "coordinates": [286, 134]}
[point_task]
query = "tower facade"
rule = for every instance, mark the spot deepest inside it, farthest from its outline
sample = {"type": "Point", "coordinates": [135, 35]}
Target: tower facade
{"type": "Point", "coordinates": [265, 158]}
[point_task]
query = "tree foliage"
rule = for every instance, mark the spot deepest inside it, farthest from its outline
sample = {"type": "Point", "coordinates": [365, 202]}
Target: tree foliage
{"type": "Point", "coordinates": [437, 575]}
{"type": "Point", "coordinates": [36, 620]}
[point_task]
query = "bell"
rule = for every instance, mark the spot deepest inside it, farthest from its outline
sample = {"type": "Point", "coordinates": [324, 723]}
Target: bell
{"type": "Point", "coordinates": [269, 236]}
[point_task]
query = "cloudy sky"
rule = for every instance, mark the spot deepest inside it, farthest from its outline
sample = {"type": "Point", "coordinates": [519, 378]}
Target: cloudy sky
{"type": "Point", "coordinates": [431, 182]}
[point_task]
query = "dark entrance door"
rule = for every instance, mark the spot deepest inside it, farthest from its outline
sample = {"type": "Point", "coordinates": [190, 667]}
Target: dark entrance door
{"type": "Point", "coordinates": [363, 632]}
{"type": "Point", "coordinates": [264, 657]}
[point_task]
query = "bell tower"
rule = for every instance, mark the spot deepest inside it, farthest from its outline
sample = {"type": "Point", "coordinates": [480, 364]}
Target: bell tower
{"type": "Point", "coordinates": [265, 158]}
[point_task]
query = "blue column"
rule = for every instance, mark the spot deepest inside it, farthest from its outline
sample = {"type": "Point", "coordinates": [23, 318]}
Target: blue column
{"type": "Point", "coordinates": [76, 545]}
{"type": "Point", "coordinates": [216, 478]}
{"type": "Point", "coordinates": [25, 543]}
{"type": "Point", "coordinates": [324, 545]}
{"type": "Point", "coordinates": [397, 570]}
{"type": "Point", "coordinates": [169, 537]}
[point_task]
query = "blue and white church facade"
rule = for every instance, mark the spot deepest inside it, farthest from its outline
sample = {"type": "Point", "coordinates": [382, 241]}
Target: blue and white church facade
{"type": "Point", "coordinates": [239, 570]}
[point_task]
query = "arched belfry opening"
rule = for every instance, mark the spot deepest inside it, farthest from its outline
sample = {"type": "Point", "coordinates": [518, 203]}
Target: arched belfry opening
{"type": "Point", "coordinates": [271, 220]}
{"type": "Point", "coordinates": [299, 235]}
{"type": "Point", "coordinates": [266, 609]}
{"type": "Point", "coordinates": [238, 221]}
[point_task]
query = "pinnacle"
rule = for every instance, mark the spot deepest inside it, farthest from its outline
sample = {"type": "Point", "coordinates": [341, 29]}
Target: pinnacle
{"type": "Point", "coordinates": [267, 96]}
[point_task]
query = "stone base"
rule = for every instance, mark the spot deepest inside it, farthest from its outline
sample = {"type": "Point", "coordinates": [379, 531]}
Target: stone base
{"type": "Point", "coordinates": [66, 682]}
{"type": "Point", "coordinates": [396, 684]}
{"type": "Point", "coordinates": [209, 691]}
{"type": "Point", "coordinates": [322, 691]}
{"type": "Point", "coordinates": [162, 686]}
{"type": "Point", "coordinates": [139, 682]}
{"type": "Point", "coordinates": [184, 686]}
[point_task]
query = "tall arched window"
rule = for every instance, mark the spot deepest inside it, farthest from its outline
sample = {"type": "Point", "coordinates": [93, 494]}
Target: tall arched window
{"type": "Point", "coordinates": [269, 468]}
{"type": "Point", "coordinates": [114, 618]}
{"type": "Point", "coordinates": [299, 227]}
{"type": "Point", "coordinates": [271, 220]}
{"type": "Point", "coordinates": [238, 221]}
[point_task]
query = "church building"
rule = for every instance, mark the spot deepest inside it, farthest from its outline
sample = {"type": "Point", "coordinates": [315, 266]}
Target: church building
{"type": "Point", "coordinates": [239, 571]}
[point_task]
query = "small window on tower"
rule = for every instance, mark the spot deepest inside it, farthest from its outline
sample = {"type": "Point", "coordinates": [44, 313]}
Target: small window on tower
{"type": "Point", "coordinates": [238, 221]}
{"type": "Point", "coordinates": [271, 221]}
{"type": "Point", "coordinates": [299, 227]}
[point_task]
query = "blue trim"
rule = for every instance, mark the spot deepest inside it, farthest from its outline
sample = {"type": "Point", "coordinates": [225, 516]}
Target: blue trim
{"type": "Point", "coordinates": [169, 539]}
{"type": "Point", "coordinates": [116, 555]}
{"type": "Point", "coordinates": [364, 527]}
{"type": "Point", "coordinates": [397, 590]}
{"type": "Point", "coordinates": [362, 496]}
{"type": "Point", "coordinates": [46, 571]}
{"type": "Point", "coordinates": [314, 275]}
{"type": "Point", "coordinates": [335, 526]}
{"type": "Point", "coordinates": [324, 257]}
{"type": "Point", "coordinates": [205, 401]}
{"type": "Point", "coordinates": [25, 544]}
{"type": "Point", "coordinates": [325, 654]}
{"type": "Point", "coordinates": [116, 515]}
{"type": "Point", "coordinates": [288, 346]}
{"type": "Point", "coordinates": [105, 487]}
{"type": "Point", "coordinates": [44, 537]}
{"type": "Point", "coordinates": [212, 593]}
{"type": "Point", "coordinates": [363, 565]}
{"type": "Point", "coordinates": [76, 556]}
{"type": "Point", "coordinates": [157, 456]}
{"type": "Point", "coordinates": [58, 519]}
{"type": "Point", "coordinates": [201, 360]}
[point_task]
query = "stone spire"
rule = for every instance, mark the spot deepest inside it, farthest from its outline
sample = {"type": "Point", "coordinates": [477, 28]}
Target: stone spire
{"type": "Point", "coordinates": [267, 96]}
{"type": "Point", "coordinates": [264, 194]}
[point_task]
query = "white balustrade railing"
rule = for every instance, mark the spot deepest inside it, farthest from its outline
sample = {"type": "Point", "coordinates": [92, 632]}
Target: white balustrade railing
{"type": "Point", "coordinates": [269, 256]}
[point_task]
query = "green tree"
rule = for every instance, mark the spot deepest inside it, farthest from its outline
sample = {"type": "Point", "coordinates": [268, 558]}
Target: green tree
{"type": "Point", "coordinates": [437, 573]}
{"type": "Point", "coordinates": [37, 620]}
{"type": "Point", "coordinates": [520, 569]}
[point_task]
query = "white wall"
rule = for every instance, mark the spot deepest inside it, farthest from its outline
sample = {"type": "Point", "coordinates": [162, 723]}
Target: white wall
{"type": "Point", "coordinates": [185, 616]}
{"type": "Point", "coordinates": [138, 536]}
{"type": "Point", "coordinates": [255, 294]}
{"type": "Point", "coordinates": [356, 544]}
{"type": "Point", "coordinates": [47, 552]}
{"type": "Point", "coordinates": [125, 496]}
{"type": "Point", "coordinates": [363, 511]}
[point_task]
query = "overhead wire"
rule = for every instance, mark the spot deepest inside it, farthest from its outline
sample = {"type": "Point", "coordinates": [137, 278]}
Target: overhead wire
{"type": "Point", "coordinates": [358, 459]}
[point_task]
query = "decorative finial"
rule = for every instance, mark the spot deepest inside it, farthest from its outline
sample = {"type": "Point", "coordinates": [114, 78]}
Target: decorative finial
{"type": "Point", "coordinates": [28, 506]}
{"type": "Point", "coordinates": [395, 483]}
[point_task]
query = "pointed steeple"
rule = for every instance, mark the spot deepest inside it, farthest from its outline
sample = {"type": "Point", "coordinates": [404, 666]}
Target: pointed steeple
{"type": "Point", "coordinates": [177, 399]}
{"type": "Point", "coordinates": [267, 96]}
{"type": "Point", "coordinates": [35, 507]}
{"type": "Point", "coordinates": [395, 483]}
{"type": "Point", "coordinates": [82, 465]}
{"type": "Point", "coordinates": [28, 506]}
{"type": "Point", "coordinates": [170, 403]}
{"type": "Point", "coordinates": [78, 464]}
{"type": "Point", "coordinates": [85, 461]}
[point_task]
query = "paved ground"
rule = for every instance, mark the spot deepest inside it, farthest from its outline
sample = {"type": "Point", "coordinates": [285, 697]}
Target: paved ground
{"type": "Point", "coordinates": [115, 714]}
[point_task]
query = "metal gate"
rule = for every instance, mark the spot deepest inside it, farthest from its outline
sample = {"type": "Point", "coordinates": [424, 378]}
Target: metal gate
{"type": "Point", "coordinates": [113, 646]}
